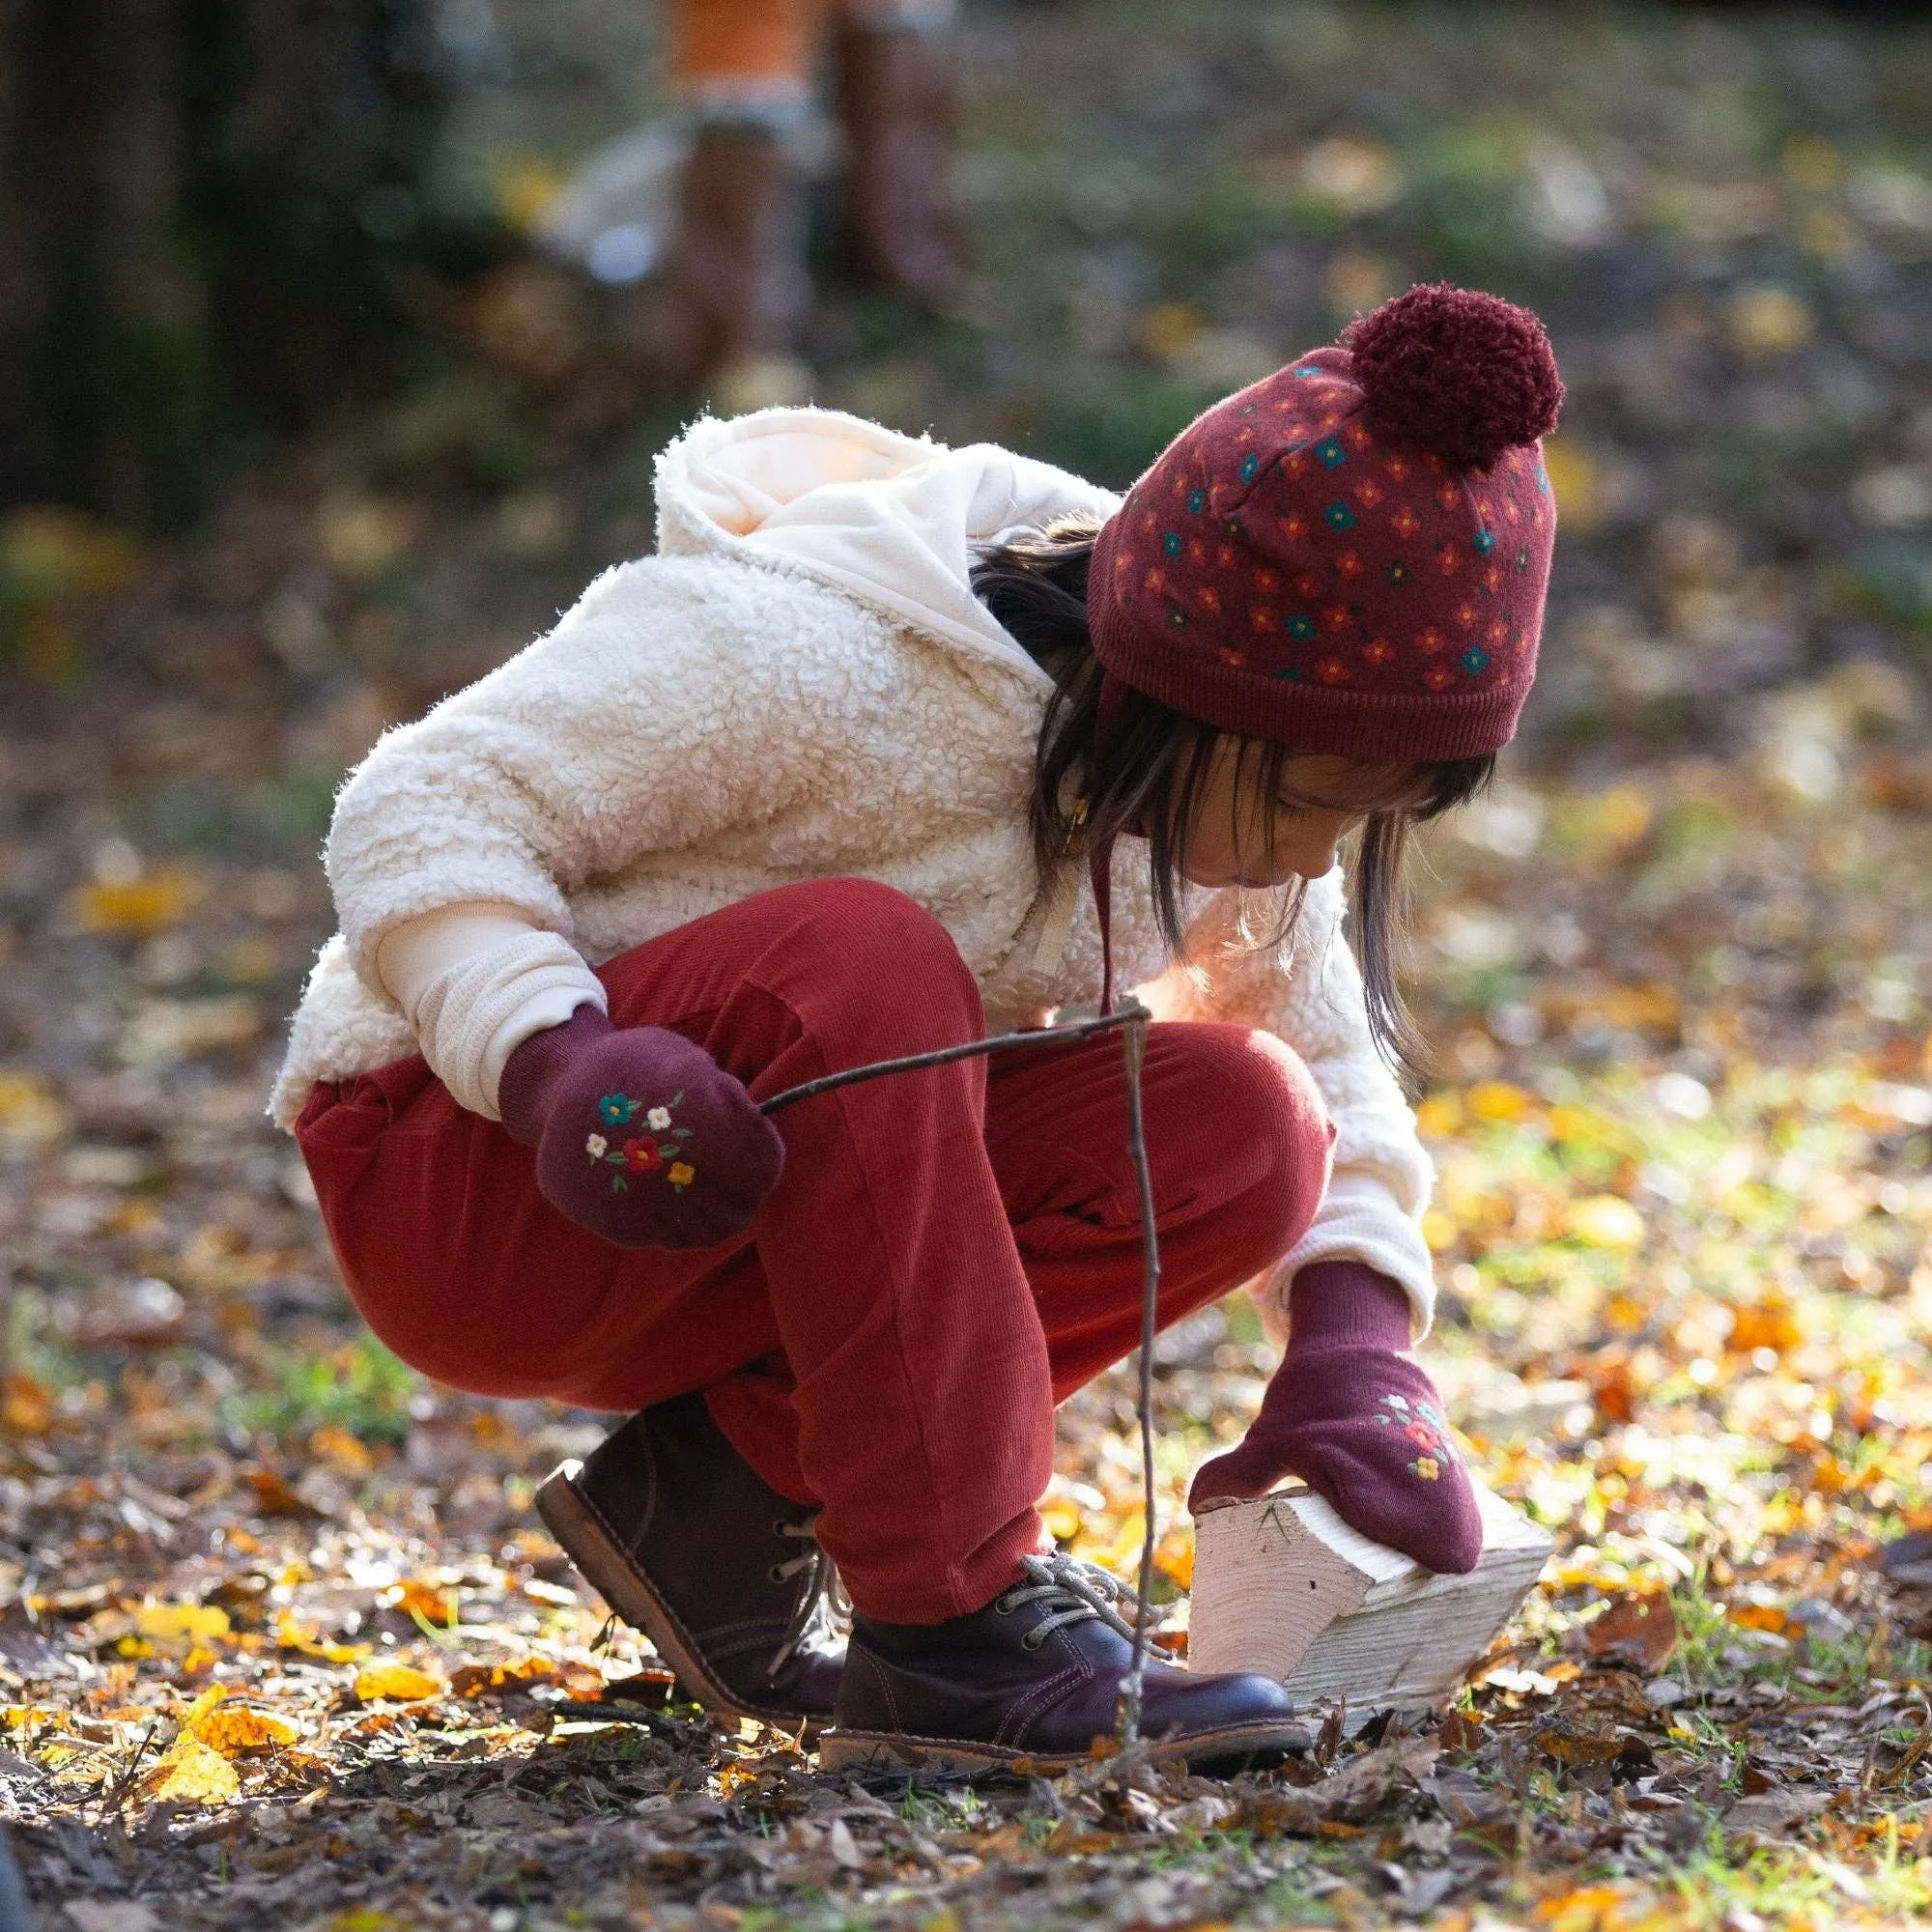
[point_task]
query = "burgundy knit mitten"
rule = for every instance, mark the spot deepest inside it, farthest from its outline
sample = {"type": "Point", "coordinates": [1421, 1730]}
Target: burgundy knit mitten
{"type": "Point", "coordinates": [641, 1136]}
{"type": "Point", "coordinates": [1351, 1413]}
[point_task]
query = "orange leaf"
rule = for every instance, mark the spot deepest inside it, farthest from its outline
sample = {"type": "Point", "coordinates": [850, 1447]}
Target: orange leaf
{"type": "Point", "coordinates": [403, 1682]}
{"type": "Point", "coordinates": [26, 1408]}
{"type": "Point", "coordinates": [237, 1729]}
{"type": "Point", "coordinates": [272, 1495]}
{"type": "Point", "coordinates": [434, 1603]}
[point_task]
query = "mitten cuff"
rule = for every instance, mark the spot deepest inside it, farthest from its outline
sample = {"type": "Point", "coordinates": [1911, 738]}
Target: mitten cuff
{"type": "Point", "coordinates": [533, 1071]}
{"type": "Point", "coordinates": [1344, 1303]}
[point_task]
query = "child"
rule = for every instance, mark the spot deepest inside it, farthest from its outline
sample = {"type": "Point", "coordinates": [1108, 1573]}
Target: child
{"type": "Point", "coordinates": [815, 786]}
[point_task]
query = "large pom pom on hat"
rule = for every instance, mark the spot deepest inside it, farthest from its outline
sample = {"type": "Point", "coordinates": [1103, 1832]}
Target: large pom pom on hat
{"type": "Point", "coordinates": [1350, 555]}
{"type": "Point", "coordinates": [1464, 374]}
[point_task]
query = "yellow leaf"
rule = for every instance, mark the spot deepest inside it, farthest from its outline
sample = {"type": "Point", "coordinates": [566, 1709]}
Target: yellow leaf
{"type": "Point", "coordinates": [403, 1682]}
{"type": "Point", "coordinates": [144, 904]}
{"type": "Point", "coordinates": [291, 1635]}
{"type": "Point", "coordinates": [1062, 1517]}
{"type": "Point", "coordinates": [181, 1623]}
{"type": "Point", "coordinates": [1168, 330]}
{"type": "Point", "coordinates": [1771, 1322]}
{"type": "Point", "coordinates": [1605, 1221]}
{"type": "Point", "coordinates": [1498, 1100]}
{"type": "Point", "coordinates": [1569, 1124]}
{"type": "Point", "coordinates": [1439, 1229]}
{"type": "Point", "coordinates": [1438, 1116]}
{"type": "Point", "coordinates": [190, 1772]}
{"type": "Point", "coordinates": [1623, 815]}
{"type": "Point", "coordinates": [238, 1728]}
{"type": "Point", "coordinates": [202, 1705]}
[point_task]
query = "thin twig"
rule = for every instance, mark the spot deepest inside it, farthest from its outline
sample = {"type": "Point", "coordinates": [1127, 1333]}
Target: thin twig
{"type": "Point", "coordinates": [1134, 1682]}
{"type": "Point", "coordinates": [998, 1042]}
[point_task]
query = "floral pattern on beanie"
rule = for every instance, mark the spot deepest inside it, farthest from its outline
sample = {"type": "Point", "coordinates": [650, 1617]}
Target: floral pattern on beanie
{"type": "Point", "coordinates": [1343, 514]}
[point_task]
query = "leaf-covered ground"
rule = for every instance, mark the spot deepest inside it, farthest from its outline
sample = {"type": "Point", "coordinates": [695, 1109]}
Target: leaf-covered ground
{"type": "Point", "coordinates": [282, 1642]}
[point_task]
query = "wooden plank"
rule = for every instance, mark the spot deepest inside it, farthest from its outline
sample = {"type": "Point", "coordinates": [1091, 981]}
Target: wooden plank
{"type": "Point", "coordinates": [1282, 1585]}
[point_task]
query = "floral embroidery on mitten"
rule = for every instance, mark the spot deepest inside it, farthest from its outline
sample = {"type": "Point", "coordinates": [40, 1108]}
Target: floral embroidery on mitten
{"type": "Point", "coordinates": [637, 1154]}
{"type": "Point", "coordinates": [1427, 1428]}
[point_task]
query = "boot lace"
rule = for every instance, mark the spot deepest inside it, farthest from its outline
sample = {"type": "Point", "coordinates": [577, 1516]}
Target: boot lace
{"type": "Point", "coordinates": [1074, 1592]}
{"type": "Point", "coordinates": [823, 1601]}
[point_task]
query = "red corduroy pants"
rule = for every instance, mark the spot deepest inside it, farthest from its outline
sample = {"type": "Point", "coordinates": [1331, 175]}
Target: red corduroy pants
{"type": "Point", "coordinates": [947, 1254]}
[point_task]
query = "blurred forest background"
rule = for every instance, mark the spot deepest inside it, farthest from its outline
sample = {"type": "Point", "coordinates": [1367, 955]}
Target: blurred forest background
{"type": "Point", "coordinates": [301, 427]}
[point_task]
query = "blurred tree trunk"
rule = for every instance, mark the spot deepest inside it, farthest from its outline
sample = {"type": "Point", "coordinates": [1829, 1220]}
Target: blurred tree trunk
{"type": "Point", "coordinates": [206, 207]}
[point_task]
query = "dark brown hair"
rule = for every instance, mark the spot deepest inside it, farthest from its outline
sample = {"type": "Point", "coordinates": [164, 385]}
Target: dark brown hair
{"type": "Point", "coordinates": [1155, 768]}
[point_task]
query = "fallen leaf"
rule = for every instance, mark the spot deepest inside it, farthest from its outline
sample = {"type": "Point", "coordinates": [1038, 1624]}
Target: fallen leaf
{"type": "Point", "coordinates": [272, 1495]}
{"type": "Point", "coordinates": [148, 903]}
{"type": "Point", "coordinates": [1638, 1631]}
{"type": "Point", "coordinates": [181, 1623]}
{"type": "Point", "coordinates": [1776, 1810]}
{"type": "Point", "coordinates": [237, 1729]}
{"type": "Point", "coordinates": [403, 1683]}
{"type": "Point", "coordinates": [26, 1410]}
{"type": "Point", "coordinates": [190, 1772]}
{"type": "Point", "coordinates": [1578, 1746]}
{"type": "Point", "coordinates": [434, 1603]}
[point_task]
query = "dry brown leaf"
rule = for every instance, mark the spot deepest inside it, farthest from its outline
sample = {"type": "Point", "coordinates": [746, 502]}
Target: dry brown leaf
{"type": "Point", "coordinates": [1578, 1746]}
{"type": "Point", "coordinates": [1638, 1631]}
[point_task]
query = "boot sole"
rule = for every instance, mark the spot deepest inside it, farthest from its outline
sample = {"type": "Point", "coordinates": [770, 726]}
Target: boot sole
{"type": "Point", "coordinates": [876, 1750]}
{"type": "Point", "coordinates": [592, 1546]}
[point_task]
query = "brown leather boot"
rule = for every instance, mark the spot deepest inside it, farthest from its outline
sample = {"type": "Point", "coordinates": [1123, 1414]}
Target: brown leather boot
{"type": "Point", "coordinates": [733, 289]}
{"type": "Point", "coordinates": [1036, 1675]}
{"type": "Point", "coordinates": [898, 105]}
{"type": "Point", "coordinates": [690, 1544]}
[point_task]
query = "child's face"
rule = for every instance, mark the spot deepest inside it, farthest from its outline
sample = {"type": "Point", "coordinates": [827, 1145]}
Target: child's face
{"type": "Point", "coordinates": [1321, 799]}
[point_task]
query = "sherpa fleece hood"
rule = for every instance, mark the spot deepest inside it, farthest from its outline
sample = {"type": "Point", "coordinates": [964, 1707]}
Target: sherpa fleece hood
{"type": "Point", "coordinates": [892, 520]}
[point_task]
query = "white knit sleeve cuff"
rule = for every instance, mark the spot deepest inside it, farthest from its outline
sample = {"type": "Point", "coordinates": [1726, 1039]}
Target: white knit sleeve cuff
{"type": "Point", "coordinates": [1357, 1222]}
{"type": "Point", "coordinates": [474, 1016]}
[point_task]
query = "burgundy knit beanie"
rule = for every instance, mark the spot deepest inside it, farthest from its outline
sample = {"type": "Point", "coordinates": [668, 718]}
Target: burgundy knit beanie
{"type": "Point", "coordinates": [1349, 557]}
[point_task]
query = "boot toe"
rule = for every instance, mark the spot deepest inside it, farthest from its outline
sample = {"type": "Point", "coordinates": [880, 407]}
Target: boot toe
{"type": "Point", "coordinates": [1236, 1705]}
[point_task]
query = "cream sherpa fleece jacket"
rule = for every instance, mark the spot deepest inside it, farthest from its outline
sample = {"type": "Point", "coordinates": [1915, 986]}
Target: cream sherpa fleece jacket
{"type": "Point", "coordinates": [799, 684]}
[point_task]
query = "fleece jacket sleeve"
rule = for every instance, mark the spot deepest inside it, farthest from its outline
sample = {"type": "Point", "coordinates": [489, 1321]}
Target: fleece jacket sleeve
{"type": "Point", "coordinates": [648, 722]}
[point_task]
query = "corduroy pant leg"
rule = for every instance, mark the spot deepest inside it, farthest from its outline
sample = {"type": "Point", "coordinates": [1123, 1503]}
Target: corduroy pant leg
{"type": "Point", "coordinates": [870, 1344]}
{"type": "Point", "coordinates": [1238, 1151]}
